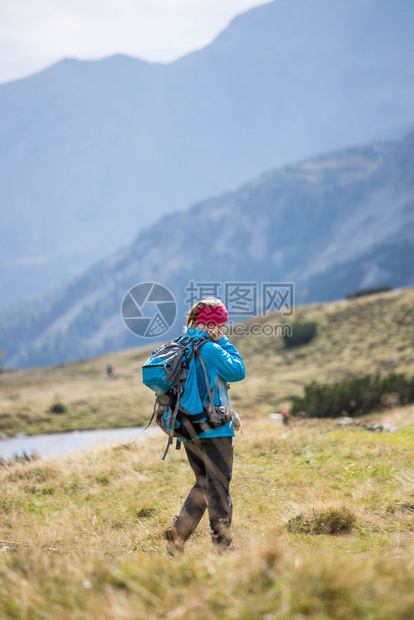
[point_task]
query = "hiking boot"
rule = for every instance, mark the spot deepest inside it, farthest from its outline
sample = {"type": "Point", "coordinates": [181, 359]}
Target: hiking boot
{"type": "Point", "coordinates": [225, 547]}
{"type": "Point", "coordinates": [221, 535]}
{"type": "Point", "coordinates": [175, 544]}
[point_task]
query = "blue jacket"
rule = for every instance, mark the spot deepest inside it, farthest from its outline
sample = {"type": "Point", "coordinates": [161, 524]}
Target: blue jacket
{"type": "Point", "coordinates": [223, 364]}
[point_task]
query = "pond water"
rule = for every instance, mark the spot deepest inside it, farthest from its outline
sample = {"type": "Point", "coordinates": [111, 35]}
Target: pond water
{"type": "Point", "coordinates": [60, 443]}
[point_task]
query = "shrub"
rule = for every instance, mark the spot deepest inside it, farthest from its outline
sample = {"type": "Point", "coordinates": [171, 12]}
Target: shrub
{"type": "Point", "coordinates": [58, 408]}
{"type": "Point", "coordinates": [352, 397]}
{"type": "Point", "coordinates": [331, 521]}
{"type": "Point", "coordinates": [302, 333]}
{"type": "Point", "coordinates": [368, 291]}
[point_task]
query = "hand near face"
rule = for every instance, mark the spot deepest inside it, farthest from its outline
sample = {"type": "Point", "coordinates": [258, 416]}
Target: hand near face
{"type": "Point", "coordinates": [215, 332]}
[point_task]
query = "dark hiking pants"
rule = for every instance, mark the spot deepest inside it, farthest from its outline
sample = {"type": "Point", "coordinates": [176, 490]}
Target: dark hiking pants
{"type": "Point", "coordinates": [212, 462]}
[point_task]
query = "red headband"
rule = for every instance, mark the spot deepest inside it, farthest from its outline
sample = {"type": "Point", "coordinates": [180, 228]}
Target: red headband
{"type": "Point", "coordinates": [212, 315]}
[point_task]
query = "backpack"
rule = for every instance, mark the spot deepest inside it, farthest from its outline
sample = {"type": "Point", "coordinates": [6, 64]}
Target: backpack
{"type": "Point", "coordinates": [165, 372]}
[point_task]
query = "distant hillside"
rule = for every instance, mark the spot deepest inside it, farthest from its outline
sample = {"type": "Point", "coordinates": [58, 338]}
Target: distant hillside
{"type": "Point", "coordinates": [92, 152]}
{"type": "Point", "coordinates": [354, 338]}
{"type": "Point", "coordinates": [331, 225]}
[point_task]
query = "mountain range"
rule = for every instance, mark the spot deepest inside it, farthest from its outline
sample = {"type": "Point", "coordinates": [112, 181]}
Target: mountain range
{"type": "Point", "coordinates": [330, 225]}
{"type": "Point", "coordinates": [93, 152]}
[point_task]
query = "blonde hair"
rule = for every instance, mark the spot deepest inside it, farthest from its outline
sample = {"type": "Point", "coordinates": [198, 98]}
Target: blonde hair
{"type": "Point", "coordinates": [209, 302]}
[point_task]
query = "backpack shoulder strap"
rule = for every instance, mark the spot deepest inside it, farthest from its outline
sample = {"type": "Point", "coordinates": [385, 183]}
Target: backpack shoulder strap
{"type": "Point", "coordinates": [210, 391]}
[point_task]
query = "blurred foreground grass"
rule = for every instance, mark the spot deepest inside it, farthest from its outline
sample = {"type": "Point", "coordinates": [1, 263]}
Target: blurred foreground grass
{"type": "Point", "coordinates": [355, 337]}
{"type": "Point", "coordinates": [84, 533]}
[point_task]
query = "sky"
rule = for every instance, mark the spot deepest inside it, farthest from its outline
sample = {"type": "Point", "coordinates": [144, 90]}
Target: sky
{"type": "Point", "coordinates": [37, 33]}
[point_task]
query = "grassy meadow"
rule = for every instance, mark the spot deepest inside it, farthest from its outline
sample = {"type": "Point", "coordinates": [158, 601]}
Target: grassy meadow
{"type": "Point", "coordinates": [324, 517]}
{"type": "Point", "coordinates": [323, 513]}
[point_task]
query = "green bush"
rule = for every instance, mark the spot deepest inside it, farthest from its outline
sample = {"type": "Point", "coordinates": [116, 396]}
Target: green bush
{"type": "Point", "coordinates": [352, 397]}
{"type": "Point", "coordinates": [368, 291]}
{"type": "Point", "coordinates": [302, 333]}
{"type": "Point", "coordinates": [58, 408]}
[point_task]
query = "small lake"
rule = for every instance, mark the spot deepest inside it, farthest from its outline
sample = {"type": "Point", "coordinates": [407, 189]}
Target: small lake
{"type": "Point", "coordinates": [60, 443]}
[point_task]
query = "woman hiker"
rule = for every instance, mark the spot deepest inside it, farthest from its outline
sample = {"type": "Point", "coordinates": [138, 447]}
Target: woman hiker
{"type": "Point", "coordinates": [210, 453]}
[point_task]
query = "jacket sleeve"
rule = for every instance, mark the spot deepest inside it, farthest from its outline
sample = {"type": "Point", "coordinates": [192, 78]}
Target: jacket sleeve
{"type": "Point", "coordinates": [225, 359]}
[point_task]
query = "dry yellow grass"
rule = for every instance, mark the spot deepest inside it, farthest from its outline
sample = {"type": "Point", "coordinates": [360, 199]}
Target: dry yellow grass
{"type": "Point", "coordinates": [85, 531]}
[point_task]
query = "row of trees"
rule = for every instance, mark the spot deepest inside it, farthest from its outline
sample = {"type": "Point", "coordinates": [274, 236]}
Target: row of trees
{"type": "Point", "coordinates": [369, 291]}
{"type": "Point", "coordinates": [353, 397]}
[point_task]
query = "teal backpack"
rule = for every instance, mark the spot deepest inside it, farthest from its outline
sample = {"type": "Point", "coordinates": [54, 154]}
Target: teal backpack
{"type": "Point", "coordinates": [165, 372]}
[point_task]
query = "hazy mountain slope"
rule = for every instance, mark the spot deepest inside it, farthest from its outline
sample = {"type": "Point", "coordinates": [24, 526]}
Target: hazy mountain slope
{"type": "Point", "coordinates": [382, 214]}
{"type": "Point", "coordinates": [90, 151]}
{"type": "Point", "coordinates": [280, 227]}
{"type": "Point", "coordinates": [68, 176]}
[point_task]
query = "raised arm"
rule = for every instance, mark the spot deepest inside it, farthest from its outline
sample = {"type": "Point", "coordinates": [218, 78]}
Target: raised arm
{"type": "Point", "coordinates": [225, 359]}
